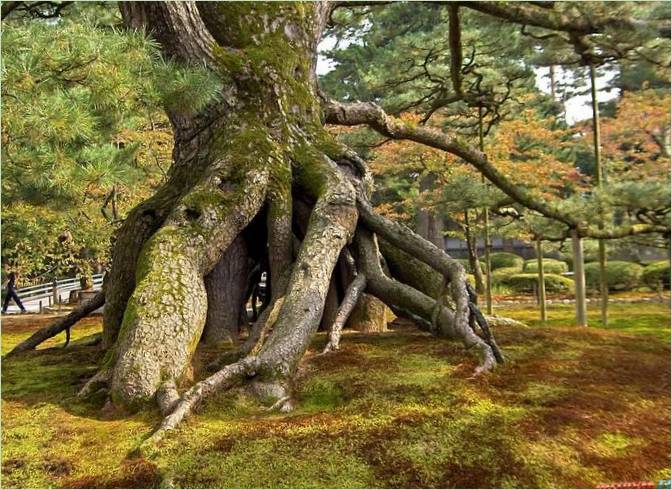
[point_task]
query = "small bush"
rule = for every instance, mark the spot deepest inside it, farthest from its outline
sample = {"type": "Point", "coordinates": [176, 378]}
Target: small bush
{"type": "Point", "coordinates": [500, 275]}
{"type": "Point", "coordinates": [500, 260]}
{"type": "Point", "coordinates": [551, 266]}
{"type": "Point", "coordinates": [526, 283]}
{"type": "Point", "coordinates": [657, 274]}
{"type": "Point", "coordinates": [621, 276]}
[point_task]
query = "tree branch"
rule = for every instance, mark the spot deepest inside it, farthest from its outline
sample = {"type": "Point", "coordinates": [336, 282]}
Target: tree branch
{"type": "Point", "coordinates": [548, 18]}
{"type": "Point", "coordinates": [370, 114]}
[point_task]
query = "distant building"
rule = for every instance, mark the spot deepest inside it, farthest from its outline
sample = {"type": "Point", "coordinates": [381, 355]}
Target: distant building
{"type": "Point", "coordinates": [458, 248]}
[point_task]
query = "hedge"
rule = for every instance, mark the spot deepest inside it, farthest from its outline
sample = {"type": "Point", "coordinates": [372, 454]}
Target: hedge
{"type": "Point", "coordinates": [499, 275]}
{"type": "Point", "coordinates": [525, 283]}
{"type": "Point", "coordinates": [500, 260]}
{"type": "Point", "coordinates": [621, 276]}
{"type": "Point", "coordinates": [657, 274]}
{"type": "Point", "coordinates": [551, 266]}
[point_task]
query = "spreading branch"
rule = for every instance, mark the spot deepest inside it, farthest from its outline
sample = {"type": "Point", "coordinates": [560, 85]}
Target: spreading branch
{"type": "Point", "coordinates": [372, 115]}
{"type": "Point", "coordinates": [549, 18]}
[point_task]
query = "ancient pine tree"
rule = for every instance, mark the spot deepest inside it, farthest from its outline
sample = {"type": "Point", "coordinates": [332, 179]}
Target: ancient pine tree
{"type": "Point", "coordinates": [256, 180]}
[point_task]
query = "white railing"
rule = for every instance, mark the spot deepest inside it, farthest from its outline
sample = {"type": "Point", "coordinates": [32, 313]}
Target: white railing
{"type": "Point", "coordinates": [54, 290]}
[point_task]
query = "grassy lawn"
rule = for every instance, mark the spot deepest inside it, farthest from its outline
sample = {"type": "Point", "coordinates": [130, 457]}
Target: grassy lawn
{"type": "Point", "coordinates": [572, 408]}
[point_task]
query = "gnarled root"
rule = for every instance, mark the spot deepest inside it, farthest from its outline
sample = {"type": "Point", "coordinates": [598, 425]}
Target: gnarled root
{"type": "Point", "coordinates": [100, 380]}
{"type": "Point", "coordinates": [255, 340]}
{"type": "Point", "coordinates": [403, 298]}
{"type": "Point", "coordinates": [59, 325]}
{"type": "Point", "coordinates": [502, 321]}
{"type": "Point", "coordinates": [223, 379]}
{"type": "Point", "coordinates": [331, 225]}
{"type": "Point", "coordinates": [352, 295]}
{"type": "Point", "coordinates": [477, 318]}
{"type": "Point", "coordinates": [167, 397]}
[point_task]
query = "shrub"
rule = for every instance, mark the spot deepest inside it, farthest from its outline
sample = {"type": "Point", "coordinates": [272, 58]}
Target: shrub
{"type": "Point", "coordinates": [500, 260]}
{"type": "Point", "coordinates": [551, 266]}
{"type": "Point", "coordinates": [657, 274]}
{"type": "Point", "coordinates": [621, 276]}
{"type": "Point", "coordinates": [500, 275]}
{"type": "Point", "coordinates": [525, 283]}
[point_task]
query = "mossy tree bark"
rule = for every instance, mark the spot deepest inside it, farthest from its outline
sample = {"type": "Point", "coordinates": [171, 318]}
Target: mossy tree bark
{"type": "Point", "coordinates": [259, 154]}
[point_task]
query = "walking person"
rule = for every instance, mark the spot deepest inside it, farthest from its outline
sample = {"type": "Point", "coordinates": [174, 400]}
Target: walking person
{"type": "Point", "coordinates": [12, 294]}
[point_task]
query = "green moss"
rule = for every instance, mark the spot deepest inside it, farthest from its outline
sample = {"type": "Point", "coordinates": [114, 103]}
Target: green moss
{"type": "Point", "coordinates": [202, 198]}
{"type": "Point", "coordinates": [555, 460]}
{"type": "Point", "coordinates": [540, 393]}
{"type": "Point", "coordinates": [388, 410]}
{"type": "Point", "coordinates": [310, 174]}
{"type": "Point", "coordinates": [613, 444]}
{"type": "Point", "coordinates": [320, 394]}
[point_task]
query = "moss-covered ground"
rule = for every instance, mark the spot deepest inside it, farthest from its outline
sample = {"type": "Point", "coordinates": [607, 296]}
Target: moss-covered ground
{"type": "Point", "coordinates": [572, 408]}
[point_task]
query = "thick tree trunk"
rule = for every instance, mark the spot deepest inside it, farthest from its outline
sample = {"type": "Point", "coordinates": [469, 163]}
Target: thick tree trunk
{"type": "Point", "coordinates": [247, 158]}
{"type": "Point", "coordinates": [225, 287]}
{"type": "Point", "coordinates": [261, 151]}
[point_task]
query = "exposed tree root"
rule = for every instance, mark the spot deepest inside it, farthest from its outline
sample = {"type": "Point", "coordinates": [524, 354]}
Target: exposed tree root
{"type": "Point", "coordinates": [101, 379]}
{"type": "Point", "coordinates": [406, 298]}
{"type": "Point", "coordinates": [502, 321]}
{"type": "Point", "coordinates": [280, 404]}
{"type": "Point", "coordinates": [223, 379]}
{"type": "Point", "coordinates": [167, 397]}
{"type": "Point", "coordinates": [352, 295]}
{"type": "Point", "coordinates": [403, 238]}
{"type": "Point", "coordinates": [299, 311]}
{"type": "Point", "coordinates": [477, 318]}
{"type": "Point", "coordinates": [59, 325]}
{"type": "Point", "coordinates": [166, 313]}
